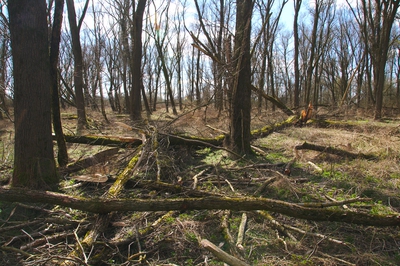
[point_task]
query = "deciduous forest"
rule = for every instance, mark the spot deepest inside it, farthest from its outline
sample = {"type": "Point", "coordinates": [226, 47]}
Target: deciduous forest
{"type": "Point", "coordinates": [199, 132]}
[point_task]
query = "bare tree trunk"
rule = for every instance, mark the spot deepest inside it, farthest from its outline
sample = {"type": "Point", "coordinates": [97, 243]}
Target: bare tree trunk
{"type": "Point", "coordinates": [197, 80]}
{"type": "Point", "coordinates": [241, 94]}
{"type": "Point", "coordinates": [136, 61]}
{"type": "Point", "coordinates": [398, 81]}
{"type": "Point", "coordinates": [297, 5]}
{"type": "Point", "coordinates": [78, 64]}
{"type": "Point", "coordinates": [3, 73]}
{"type": "Point", "coordinates": [125, 54]}
{"type": "Point", "coordinates": [54, 52]}
{"type": "Point", "coordinates": [378, 18]}
{"type": "Point", "coordinates": [34, 164]}
{"type": "Point", "coordinates": [311, 59]}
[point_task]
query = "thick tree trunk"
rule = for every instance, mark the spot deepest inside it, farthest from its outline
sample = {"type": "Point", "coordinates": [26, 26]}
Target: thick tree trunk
{"type": "Point", "coordinates": [34, 164]}
{"type": "Point", "coordinates": [241, 95]}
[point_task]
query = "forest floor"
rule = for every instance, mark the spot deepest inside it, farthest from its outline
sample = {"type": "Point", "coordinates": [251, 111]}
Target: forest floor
{"type": "Point", "coordinates": [42, 234]}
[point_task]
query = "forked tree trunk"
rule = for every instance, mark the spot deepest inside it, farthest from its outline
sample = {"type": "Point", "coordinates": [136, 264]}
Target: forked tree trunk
{"type": "Point", "coordinates": [78, 66]}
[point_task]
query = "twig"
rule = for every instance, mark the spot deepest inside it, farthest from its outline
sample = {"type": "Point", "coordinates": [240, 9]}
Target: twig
{"type": "Point", "coordinates": [195, 178]}
{"type": "Point", "coordinates": [276, 225]}
{"type": "Point", "coordinates": [17, 226]}
{"type": "Point", "coordinates": [16, 250]}
{"type": "Point", "coordinates": [225, 228]}
{"type": "Point", "coordinates": [316, 167]}
{"type": "Point", "coordinates": [36, 208]}
{"type": "Point", "coordinates": [222, 255]}
{"type": "Point", "coordinates": [282, 240]}
{"type": "Point", "coordinates": [217, 129]}
{"type": "Point", "coordinates": [330, 239]}
{"type": "Point", "coordinates": [80, 245]}
{"type": "Point", "coordinates": [204, 143]}
{"type": "Point", "coordinates": [26, 233]}
{"type": "Point", "coordinates": [330, 204]}
{"type": "Point", "coordinates": [242, 228]}
{"type": "Point", "coordinates": [37, 234]}
{"type": "Point", "coordinates": [45, 239]}
{"type": "Point", "coordinates": [259, 150]}
{"type": "Point", "coordinates": [257, 166]}
{"type": "Point", "coordinates": [337, 259]}
{"type": "Point", "coordinates": [230, 185]}
{"type": "Point", "coordinates": [264, 185]}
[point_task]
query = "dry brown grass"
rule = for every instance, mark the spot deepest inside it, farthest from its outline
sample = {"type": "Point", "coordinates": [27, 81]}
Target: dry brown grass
{"type": "Point", "coordinates": [174, 239]}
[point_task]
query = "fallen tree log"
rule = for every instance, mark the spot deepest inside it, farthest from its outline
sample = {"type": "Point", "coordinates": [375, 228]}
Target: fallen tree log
{"type": "Point", "coordinates": [107, 205]}
{"type": "Point", "coordinates": [269, 129]}
{"type": "Point", "coordinates": [335, 151]}
{"type": "Point", "coordinates": [122, 142]}
{"type": "Point", "coordinates": [100, 157]}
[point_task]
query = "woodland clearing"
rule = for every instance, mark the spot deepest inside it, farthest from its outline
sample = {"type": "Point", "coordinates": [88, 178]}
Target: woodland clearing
{"type": "Point", "coordinates": [45, 234]}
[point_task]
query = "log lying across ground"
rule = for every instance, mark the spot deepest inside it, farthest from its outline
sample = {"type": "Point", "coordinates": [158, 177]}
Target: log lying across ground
{"type": "Point", "coordinates": [126, 142]}
{"type": "Point", "coordinates": [335, 151]}
{"type": "Point", "coordinates": [90, 161]}
{"type": "Point", "coordinates": [107, 205]}
{"type": "Point", "coordinates": [122, 142]}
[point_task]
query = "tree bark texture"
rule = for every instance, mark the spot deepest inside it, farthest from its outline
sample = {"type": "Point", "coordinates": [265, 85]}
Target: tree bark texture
{"type": "Point", "coordinates": [241, 95]}
{"type": "Point", "coordinates": [34, 164]}
{"type": "Point", "coordinates": [136, 62]}
{"type": "Point", "coordinates": [107, 205]}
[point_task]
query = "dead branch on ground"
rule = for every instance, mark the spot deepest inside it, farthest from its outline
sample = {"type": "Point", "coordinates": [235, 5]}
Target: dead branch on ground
{"type": "Point", "coordinates": [335, 151]}
{"type": "Point", "coordinates": [100, 157]}
{"type": "Point", "coordinates": [107, 205]}
{"type": "Point", "coordinates": [222, 255]}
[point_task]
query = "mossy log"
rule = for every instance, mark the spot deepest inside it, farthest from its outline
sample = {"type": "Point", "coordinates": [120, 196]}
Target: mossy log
{"type": "Point", "coordinates": [107, 205]}
{"type": "Point", "coordinates": [335, 151]}
{"type": "Point", "coordinates": [104, 218]}
{"type": "Point", "coordinates": [267, 130]}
